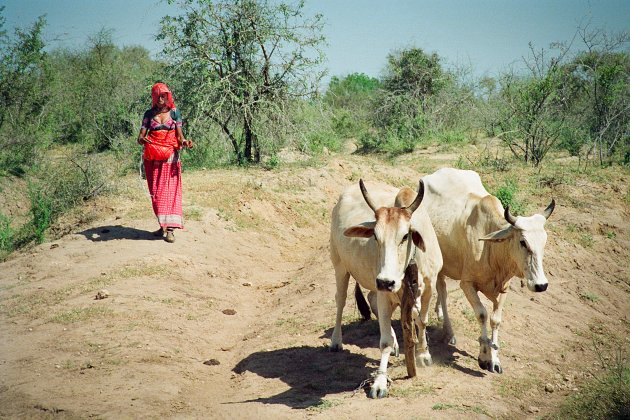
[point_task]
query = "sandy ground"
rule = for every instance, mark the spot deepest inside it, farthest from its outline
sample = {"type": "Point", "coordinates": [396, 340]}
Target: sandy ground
{"type": "Point", "coordinates": [233, 320]}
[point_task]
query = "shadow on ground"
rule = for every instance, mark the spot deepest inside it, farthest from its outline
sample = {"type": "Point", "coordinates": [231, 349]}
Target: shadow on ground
{"type": "Point", "coordinates": [311, 372]}
{"type": "Point", "coordinates": [109, 233]}
{"type": "Point", "coordinates": [365, 334]}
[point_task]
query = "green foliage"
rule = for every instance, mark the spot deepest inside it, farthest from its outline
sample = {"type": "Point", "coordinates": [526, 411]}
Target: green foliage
{"type": "Point", "coordinates": [506, 193]}
{"type": "Point", "coordinates": [604, 397]}
{"type": "Point", "coordinates": [24, 78]}
{"type": "Point", "coordinates": [351, 99]}
{"type": "Point", "coordinates": [100, 93]}
{"type": "Point", "coordinates": [41, 212]}
{"type": "Point", "coordinates": [351, 91]}
{"type": "Point", "coordinates": [531, 120]}
{"type": "Point", "coordinates": [599, 91]}
{"type": "Point", "coordinates": [239, 64]}
{"type": "Point", "coordinates": [414, 73]}
{"type": "Point", "coordinates": [312, 128]}
{"type": "Point", "coordinates": [452, 137]}
{"type": "Point", "coordinates": [6, 235]}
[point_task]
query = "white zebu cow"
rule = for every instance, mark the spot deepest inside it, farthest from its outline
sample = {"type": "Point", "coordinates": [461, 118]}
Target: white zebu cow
{"type": "Point", "coordinates": [483, 246]}
{"type": "Point", "coordinates": [375, 242]}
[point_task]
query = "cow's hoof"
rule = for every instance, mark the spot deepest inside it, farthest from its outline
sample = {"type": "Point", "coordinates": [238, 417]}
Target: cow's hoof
{"type": "Point", "coordinates": [378, 392]}
{"type": "Point", "coordinates": [424, 359]}
{"type": "Point", "coordinates": [379, 387]}
{"type": "Point", "coordinates": [495, 367]}
{"type": "Point", "coordinates": [395, 351]}
{"type": "Point", "coordinates": [451, 340]}
{"type": "Point", "coordinates": [335, 347]}
{"type": "Point", "coordinates": [490, 366]}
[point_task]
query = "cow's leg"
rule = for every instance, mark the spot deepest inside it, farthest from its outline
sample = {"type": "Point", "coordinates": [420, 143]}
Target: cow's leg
{"type": "Point", "coordinates": [423, 357]}
{"type": "Point", "coordinates": [342, 277]}
{"type": "Point", "coordinates": [447, 328]}
{"type": "Point", "coordinates": [371, 297]}
{"type": "Point", "coordinates": [495, 321]}
{"type": "Point", "coordinates": [485, 356]}
{"type": "Point", "coordinates": [387, 345]}
{"type": "Point", "coordinates": [439, 313]}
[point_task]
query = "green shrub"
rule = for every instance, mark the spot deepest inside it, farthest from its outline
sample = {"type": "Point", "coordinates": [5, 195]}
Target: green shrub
{"type": "Point", "coordinates": [6, 234]}
{"type": "Point", "coordinates": [605, 397]}
{"type": "Point", "coordinates": [506, 193]}
{"type": "Point", "coordinates": [41, 212]}
{"type": "Point", "coordinates": [452, 137]}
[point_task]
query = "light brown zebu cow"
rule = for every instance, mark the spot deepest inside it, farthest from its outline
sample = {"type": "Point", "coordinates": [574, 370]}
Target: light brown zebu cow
{"type": "Point", "coordinates": [483, 246]}
{"type": "Point", "coordinates": [375, 242]}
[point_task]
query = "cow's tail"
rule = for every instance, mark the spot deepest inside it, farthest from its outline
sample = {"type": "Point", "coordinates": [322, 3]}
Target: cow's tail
{"type": "Point", "coordinates": [362, 304]}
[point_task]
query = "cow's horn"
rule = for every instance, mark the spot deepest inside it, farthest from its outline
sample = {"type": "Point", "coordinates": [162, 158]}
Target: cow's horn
{"type": "Point", "coordinates": [366, 196]}
{"type": "Point", "coordinates": [549, 209]}
{"type": "Point", "coordinates": [510, 219]}
{"type": "Point", "coordinates": [416, 203]}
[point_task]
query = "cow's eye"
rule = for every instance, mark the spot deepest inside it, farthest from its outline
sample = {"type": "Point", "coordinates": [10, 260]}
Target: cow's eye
{"type": "Point", "coordinates": [404, 238]}
{"type": "Point", "coordinates": [523, 244]}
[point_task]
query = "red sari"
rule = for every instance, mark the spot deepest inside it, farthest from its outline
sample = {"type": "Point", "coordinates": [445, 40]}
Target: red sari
{"type": "Point", "coordinates": [162, 166]}
{"type": "Point", "coordinates": [164, 178]}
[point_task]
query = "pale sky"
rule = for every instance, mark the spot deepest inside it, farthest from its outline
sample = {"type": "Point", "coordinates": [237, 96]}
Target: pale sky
{"type": "Point", "coordinates": [489, 35]}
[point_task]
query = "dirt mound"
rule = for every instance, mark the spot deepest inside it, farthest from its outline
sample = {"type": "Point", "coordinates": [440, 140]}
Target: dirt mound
{"type": "Point", "coordinates": [233, 320]}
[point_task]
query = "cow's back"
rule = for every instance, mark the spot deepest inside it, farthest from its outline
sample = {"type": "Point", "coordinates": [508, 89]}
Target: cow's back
{"type": "Point", "coordinates": [452, 198]}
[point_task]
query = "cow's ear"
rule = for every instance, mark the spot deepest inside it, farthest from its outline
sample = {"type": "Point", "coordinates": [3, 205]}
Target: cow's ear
{"type": "Point", "coordinates": [364, 230]}
{"type": "Point", "coordinates": [499, 235]}
{"type": "Point", "coordinates": [417, 240]}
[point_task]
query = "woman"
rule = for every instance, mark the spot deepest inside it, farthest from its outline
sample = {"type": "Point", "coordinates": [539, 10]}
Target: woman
{"type": "Point", "coordinates": [162, 137]}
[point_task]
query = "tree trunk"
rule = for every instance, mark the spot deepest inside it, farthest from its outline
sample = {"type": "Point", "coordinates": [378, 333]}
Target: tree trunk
{"type": "Point", "coordinates": [247, 131]}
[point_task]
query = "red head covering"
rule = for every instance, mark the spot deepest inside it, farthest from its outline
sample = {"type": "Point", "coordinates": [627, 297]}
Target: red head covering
{"type": "Point", "coordinates": [157, 90]}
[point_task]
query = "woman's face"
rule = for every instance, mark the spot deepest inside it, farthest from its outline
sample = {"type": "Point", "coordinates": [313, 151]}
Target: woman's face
{"type": "Point", "coordinates": [162, 99]}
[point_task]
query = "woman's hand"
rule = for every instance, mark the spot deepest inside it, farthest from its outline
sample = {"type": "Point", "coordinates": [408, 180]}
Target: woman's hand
{"type": "Point", "coordinates": [143, 140]}
{"type": "Point", "coordinates": [188, 143]}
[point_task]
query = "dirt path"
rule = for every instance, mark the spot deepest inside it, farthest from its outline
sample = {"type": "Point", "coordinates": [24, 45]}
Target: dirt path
{"type": "Point", "coordinates": [248, 289]}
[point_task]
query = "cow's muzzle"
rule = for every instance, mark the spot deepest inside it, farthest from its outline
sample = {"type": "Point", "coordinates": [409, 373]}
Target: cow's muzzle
{"type": "Point", "coordinates": [385, 285]}
{"type": "Point", "coordinates": [541, 287]}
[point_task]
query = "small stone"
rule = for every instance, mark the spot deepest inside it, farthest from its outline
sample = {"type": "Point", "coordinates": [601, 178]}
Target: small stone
{"type": "Point", "coordinates": [567, 378]}
{"type": "Point", "coordinates": [549, 388]}
{"type": "Point", "coordinates": [211, 362]}
{"type": "Point", "coordinates": [102, 294]}
{"type": "Point", "coordinates": [533, 409]}
{"type": "Point", "coordinates": [229, 311]}
{"type": "Point", "coordinates": [247, 284]}
{"type": "Point", "coordinates": [53, 246]}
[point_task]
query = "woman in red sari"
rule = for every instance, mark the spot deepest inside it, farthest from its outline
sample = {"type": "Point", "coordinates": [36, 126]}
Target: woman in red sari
{"type": "Point", "coordinates": [162, 137]}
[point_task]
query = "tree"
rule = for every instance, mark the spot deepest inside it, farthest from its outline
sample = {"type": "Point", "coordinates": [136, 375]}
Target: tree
{"type": "Point", "coordinates": [350, 98]}
{"type": "Point", "coordinates": [532, 110]}
{"type": "Point", "coordinates": [601, 91]}
{"type": "Point", "coordinates": [415, 74]}
{"type": "Point", "coordinates": [412, 79]}
{"type": "Point", "coordinates": [239, 63]}
{"type": "Point", "coordinates": [24, 93]}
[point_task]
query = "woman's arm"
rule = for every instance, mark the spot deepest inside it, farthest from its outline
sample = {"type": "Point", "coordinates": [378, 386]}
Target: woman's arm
{"type": "Point", "coordinates": [181, 140]}
{"type": "Point", "coordinates": [142, 137]}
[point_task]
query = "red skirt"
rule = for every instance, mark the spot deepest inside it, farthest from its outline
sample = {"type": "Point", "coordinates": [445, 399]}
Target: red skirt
{"type": "Point", "coordinates": [164, 178]}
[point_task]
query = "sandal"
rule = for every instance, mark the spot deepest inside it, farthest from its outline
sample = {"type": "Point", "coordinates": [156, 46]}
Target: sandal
{"type": "Point", "coordinates": [170, 236]}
